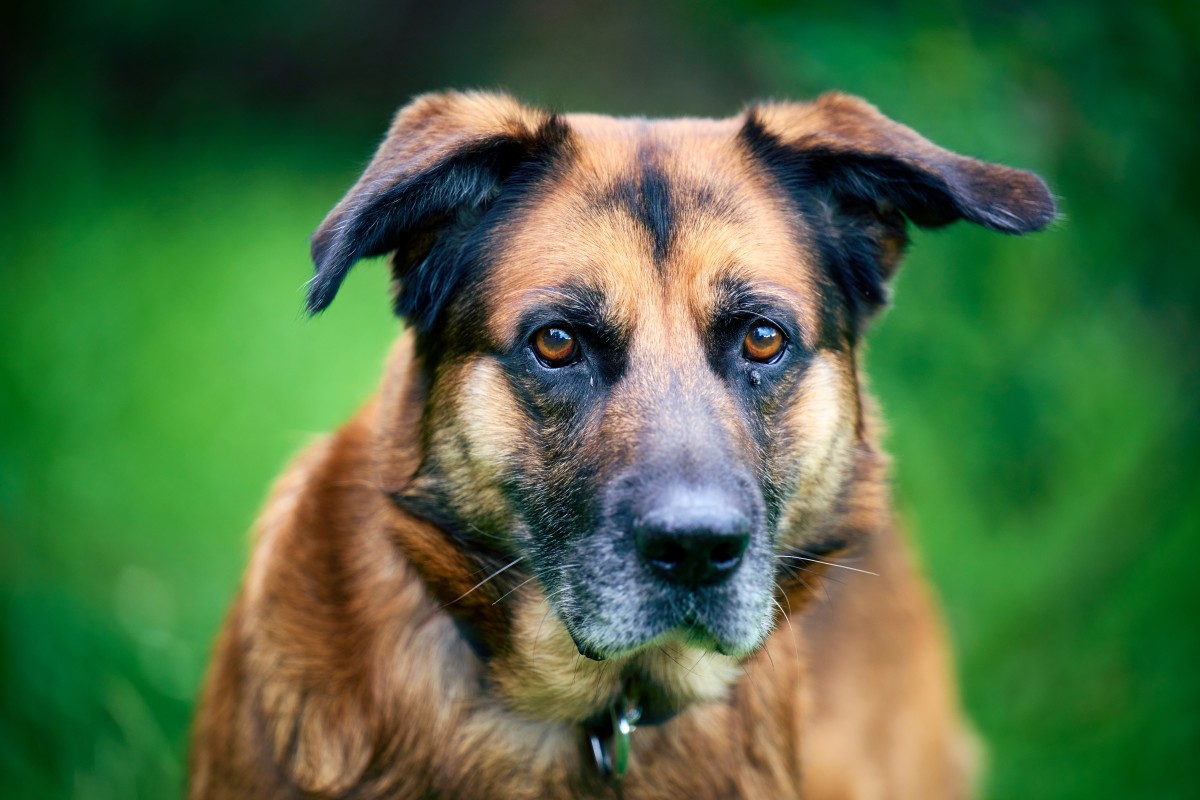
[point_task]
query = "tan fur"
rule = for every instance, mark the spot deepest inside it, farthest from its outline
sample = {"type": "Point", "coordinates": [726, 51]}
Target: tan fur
{"type": "Point", "coordinates": [341, 671]}
{"type": "Point", "coordinates": [561, 236]}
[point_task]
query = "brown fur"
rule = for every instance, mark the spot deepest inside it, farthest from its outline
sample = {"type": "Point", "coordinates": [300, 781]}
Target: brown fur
{"type": "Point", "coordinates": [343, 671]}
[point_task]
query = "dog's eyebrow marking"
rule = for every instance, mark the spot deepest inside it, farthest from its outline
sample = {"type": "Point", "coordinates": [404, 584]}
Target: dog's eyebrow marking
{"type": "Point", "coordinates": [645, 193]}
{"type": "Point", "coordinates": [578, 304]}
{"type": "Point", "coordinates": [658, 202]}
{"type": "Point", "coordinates": [734, 295]}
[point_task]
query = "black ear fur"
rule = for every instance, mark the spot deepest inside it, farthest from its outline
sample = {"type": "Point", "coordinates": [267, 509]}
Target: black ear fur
{"type": "Point", "coordinates": [858, 175]}
{"type": "Point", "coordinates": [421, 202]}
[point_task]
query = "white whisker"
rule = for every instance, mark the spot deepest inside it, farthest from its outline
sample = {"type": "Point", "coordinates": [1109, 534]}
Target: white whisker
{"type": "Point", "coordinates": [788, 620]}
{"type": "Point", "coordinates": [831, 564]}
{"type": "Point", "coordinates": [510, 565]}
{"type": "Point", "coordinates": [513, 589]}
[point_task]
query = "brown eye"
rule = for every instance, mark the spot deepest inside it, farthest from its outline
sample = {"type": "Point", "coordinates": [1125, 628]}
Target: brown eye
{"type": "Point", "coordinates": [555, 346]}
{"type": "Point", "coordinates": [763, 342]}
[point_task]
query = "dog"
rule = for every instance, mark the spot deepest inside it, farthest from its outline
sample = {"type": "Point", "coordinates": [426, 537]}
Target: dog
{"type": "Point", "coordinates": [582, 543]}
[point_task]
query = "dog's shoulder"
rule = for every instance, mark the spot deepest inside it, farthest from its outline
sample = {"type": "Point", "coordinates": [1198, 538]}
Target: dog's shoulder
{"type": "Point", "coordinates": [298, 663]}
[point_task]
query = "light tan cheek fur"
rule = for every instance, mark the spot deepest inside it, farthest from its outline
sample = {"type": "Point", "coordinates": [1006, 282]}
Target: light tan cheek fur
{"type": "Point", "coordinates": [818, 436]}
{"type": "Point", "coordinates": [475, 444]}
{"type": "Point", "coordinates": [544, 676]}
{"type": "Point", "coordinates": [489, 419]}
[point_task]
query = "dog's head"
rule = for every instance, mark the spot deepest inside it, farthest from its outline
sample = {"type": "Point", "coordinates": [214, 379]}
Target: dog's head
{"type": "Point", "coordinates": [636, 348]}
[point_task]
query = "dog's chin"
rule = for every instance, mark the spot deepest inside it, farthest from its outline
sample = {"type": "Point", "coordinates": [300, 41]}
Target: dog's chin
{"type": "Point", "coordinates": [554, 672]}
{"type": "Point", "coordinates": [675, 671]}
{"type": "Point", "coordinates": [725, 621]}
{"type": "Point", "coordinates": [688, 635]}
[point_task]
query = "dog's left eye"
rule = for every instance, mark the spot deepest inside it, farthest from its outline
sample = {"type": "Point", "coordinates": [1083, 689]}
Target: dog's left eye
{"type": "Point", "coordinates": [763, 343]}
{"type": "Point", "coordinates": [555, 346]}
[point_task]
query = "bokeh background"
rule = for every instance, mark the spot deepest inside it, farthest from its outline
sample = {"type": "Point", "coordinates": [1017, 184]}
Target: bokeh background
{"type": "Point", "coordinates": [163, 163]}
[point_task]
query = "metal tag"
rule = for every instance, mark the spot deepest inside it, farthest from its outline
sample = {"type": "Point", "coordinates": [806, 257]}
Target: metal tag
{"type": "Point", "coordinates": [612, 753]}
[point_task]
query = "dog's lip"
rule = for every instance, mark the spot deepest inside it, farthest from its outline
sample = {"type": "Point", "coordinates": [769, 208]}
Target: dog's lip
{"type": "Point", "coordinates": [586, 650]}
{"type": "Point", "coordinates": [691, 619]}
{"type": "Point", "coordinates": [690, 630]}
{"type": "Point", "coordinates": [694, 632]}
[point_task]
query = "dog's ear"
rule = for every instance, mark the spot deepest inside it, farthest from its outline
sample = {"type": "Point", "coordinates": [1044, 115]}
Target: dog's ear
{"type": "Point", "coordinates": [444, 162]}
{"type": "Point", "coordinates": [857, 175]}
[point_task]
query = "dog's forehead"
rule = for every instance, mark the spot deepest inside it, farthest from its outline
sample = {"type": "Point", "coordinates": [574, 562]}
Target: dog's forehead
{"type": "Point", "coordinates": [653, 216]}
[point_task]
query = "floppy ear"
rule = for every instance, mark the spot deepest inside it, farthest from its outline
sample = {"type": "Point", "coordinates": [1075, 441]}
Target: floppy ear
{"type": "Point", "coordinates": [857, 175]}
{"type": "Point", "coordinates": [444, 162]}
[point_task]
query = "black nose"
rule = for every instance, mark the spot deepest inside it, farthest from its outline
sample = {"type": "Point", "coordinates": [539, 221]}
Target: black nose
{"type": "Point", "coordinates": [693, 537]}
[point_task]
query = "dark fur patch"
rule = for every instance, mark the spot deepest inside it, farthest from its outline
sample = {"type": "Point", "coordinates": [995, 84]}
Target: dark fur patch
{"type": "Point", "coordinates": [856, 203]}
{"type": "Point", "coordinates": [647, 195]}
{"type": "Point", "coordinates": [658, 203]}
{"type": "Point", "coordinates": [655, 207]}
{"type": "Point", "coordinates": [426, 218]}
{"type": "Point", "coordinates": [851, 260]}
{"type": "Point", "coordinates": [457, 266]}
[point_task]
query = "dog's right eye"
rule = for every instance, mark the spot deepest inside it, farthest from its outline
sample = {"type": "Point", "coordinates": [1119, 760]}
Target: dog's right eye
{"type": "Point", "coordinates": [555, 346]}
{"type": "Point", "coordinates": [763, 343]}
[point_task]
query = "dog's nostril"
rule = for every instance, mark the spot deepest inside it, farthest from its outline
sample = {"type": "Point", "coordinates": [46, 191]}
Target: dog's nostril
{"type": "Point", "coordinates": [665, 552]}
{"type": "Point", "coordinates": [728, 551]}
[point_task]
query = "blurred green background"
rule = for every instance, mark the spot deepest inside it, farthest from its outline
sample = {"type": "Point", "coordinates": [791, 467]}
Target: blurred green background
{"type": "Point", "coordinates": [163, 164]}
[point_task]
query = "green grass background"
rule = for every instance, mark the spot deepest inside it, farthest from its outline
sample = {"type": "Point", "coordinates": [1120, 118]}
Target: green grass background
{"type": "Point", "coordinates": [163, 164]}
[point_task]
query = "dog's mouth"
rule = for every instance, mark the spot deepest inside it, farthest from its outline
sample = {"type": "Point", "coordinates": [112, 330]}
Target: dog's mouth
{"type": "Point", "coordinates": [573, 658]}
{"type": "Point", "coordinates": [608, 623]}
{"type": "Point", "coordinates": [690, 632]}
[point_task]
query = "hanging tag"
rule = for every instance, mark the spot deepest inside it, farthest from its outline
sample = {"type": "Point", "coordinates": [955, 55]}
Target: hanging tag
{"type": "Point", "coordinates": [612, 752]}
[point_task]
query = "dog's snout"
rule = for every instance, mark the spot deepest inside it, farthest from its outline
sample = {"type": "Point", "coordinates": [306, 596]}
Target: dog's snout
{"type": "Point", "coordinates": [693, 538]}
